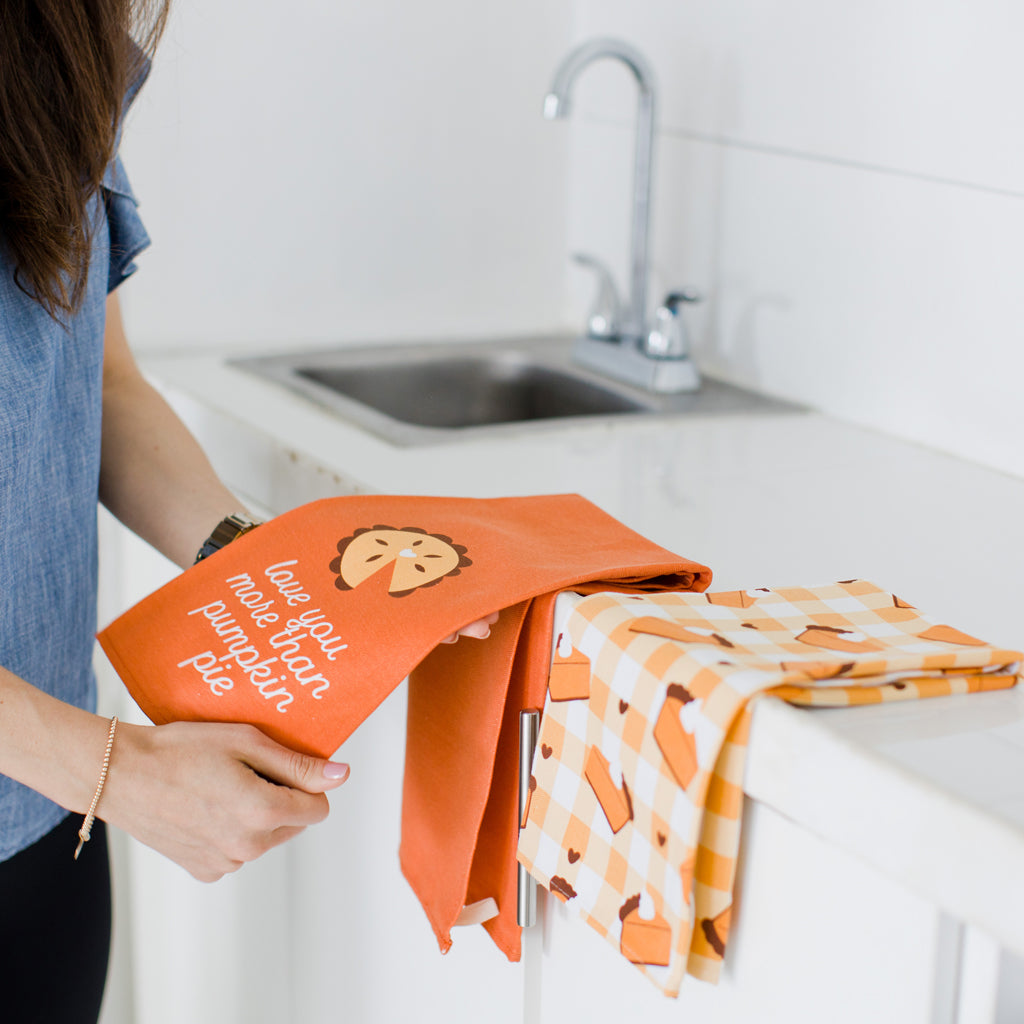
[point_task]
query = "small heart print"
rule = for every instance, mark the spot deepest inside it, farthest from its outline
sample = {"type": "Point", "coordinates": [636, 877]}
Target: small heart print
{"type": "Point", "coordinates": [661, 838]}
{"type": "Point", "coordinates": [573, 856]}
{"type": "Point", "coordinates": [545, 751]}
{"type": "Point", "coordinates": [623, 707]}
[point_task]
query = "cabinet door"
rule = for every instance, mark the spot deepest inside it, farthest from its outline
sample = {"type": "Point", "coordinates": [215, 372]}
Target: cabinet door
{"type": "Point", "coordinates": [816, 936]}
{"type": "Point", "coordinates": [322, 929]}
{"type": "Point", "coordinates": [361, 946]}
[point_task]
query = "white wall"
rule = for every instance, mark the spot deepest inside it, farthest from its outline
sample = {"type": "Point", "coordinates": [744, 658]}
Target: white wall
{"type": "Point", "coordinates": [844, 182]}
{"type": "Point", "coordinates": [316, 171]}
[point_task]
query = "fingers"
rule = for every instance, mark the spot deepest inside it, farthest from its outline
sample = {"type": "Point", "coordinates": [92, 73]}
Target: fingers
{"type": "Point", "coordinates": [214, 796]}
{"type": "Point", "coordinates": [480, 629]}
{"type": "Point", "coordinates": [291, 768]}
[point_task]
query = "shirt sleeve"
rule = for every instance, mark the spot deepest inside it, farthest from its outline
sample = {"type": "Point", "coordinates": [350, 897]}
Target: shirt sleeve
{"type": "Point", "coordinates": [128, 235]}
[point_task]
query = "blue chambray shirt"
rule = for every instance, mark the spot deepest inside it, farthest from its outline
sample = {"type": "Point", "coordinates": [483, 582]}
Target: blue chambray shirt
{"type": "Point", "coordinates": [50, 404]}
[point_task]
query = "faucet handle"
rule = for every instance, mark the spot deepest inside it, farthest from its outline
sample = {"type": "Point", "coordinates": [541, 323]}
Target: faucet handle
{"type": "Point", "coordinates": [668, 338]}
{"type": "Point", "coordinates": [605, 317]}
{"type": "Point", "coordinates": [675, 299]}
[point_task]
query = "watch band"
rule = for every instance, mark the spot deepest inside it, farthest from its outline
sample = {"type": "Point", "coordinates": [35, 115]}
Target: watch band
{"type": "Point", "coordinates": [227, 530]}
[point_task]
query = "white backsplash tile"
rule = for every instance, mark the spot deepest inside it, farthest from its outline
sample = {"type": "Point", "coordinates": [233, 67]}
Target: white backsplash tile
{"type": "Point", "coordinates": [914, 85]}
{"type": "Point", "coordinates": [844, 186]}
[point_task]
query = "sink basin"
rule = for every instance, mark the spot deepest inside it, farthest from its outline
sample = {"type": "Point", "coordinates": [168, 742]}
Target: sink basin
{"type": "Point", "coordinates": [433, 392]}
{"type": "Point", "coordinates": [470, 391]}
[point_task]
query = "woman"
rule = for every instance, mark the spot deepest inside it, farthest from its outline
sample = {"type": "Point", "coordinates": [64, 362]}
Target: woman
{"type": "Point", "coordinates": [77, 419]}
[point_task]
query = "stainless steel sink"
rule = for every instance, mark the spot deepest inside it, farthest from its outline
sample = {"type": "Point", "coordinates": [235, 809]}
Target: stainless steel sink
{"type": "Point", "coordinates": [433, 392]}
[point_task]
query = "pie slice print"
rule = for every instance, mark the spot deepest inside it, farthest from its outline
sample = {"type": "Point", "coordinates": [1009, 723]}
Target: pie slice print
{"type": "Point", "coordinates": [715, 932]}
{"type": "Point", "coordinates": [646, 936]}
{"type": "Point", "coordinates": [671, 630]}
{"type": "Point", "coordinates": [732, 598]}
{"type": "Point", "coordinates": [949, 635]}
{"type": "Point", "coordinates": [834, 639]}
{"type": "Point", "coordinates": [612, 794]}
{"type": "Point", "coordinates": [570, 672]}
{"type": "Point", "coordinates": [416, 558]}
{"type": "Point", "coordinates": [677, 745]}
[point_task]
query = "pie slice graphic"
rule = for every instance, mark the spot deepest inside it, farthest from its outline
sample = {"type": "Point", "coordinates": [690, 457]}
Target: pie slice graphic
{"type": "Point", "coordinates": [612, 795]}
{"type": "Point", "coordinates": [817, 669]}
{"type": "Point", "coordinates": [732, 598]}
{"type": "Point", "coordinates": [678, 747]}
{"type": "Point", "coordinates": [671, 630]}
{"type": "Point", "coordinates": [647, 939]}
{"type": "Point", "coordinates": [949, 635]}
{"type": "Point", "coordinates": [570, 673]}
{"type": "Point", "coordinates": [416, 558]}
{"type": "Point", "coordinates": [710, 936]}
{"type": "Point", "coordinates": [834, 639]}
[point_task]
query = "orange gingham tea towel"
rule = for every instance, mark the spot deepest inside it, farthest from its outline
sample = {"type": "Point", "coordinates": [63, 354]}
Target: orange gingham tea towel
{"type": "Point", "coordinates": [634, 811]}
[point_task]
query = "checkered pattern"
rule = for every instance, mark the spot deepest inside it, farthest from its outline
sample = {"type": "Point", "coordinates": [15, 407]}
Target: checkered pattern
{"type": "Point", "coordinates": [635, 815]}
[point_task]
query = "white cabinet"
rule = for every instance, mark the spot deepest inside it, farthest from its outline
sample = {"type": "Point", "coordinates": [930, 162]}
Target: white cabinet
{"type": "Point", "coordinates": [362, 948]}
{"type": "Point", "coordinates": [320, 930]}
{"type": "Point", "coordinates": [829, 925]}
{"type": "Point", "coordinates": [817, 936]}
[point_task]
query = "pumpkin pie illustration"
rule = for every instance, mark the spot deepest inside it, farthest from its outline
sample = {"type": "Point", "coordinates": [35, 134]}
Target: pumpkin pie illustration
{"type": "Point", "coordinates": [686, 872]}
{"type": "Point", "coordinates": [949, 635]}
{"type": "Point", "coordinates": [817, 669]}
{"type": "Point", "coordinates": [562, 888]}
{"type": "Point", "coordinates": [677, 746]}
{"type": "Point", "coordinates": [613, 796]}
{"type": "Point", "coordinates": [646, 936]}
{"type": "Point", "coordinates": [416, 558]}
{"type": "Point", "coordinates": [570, 672]}
{"type": "Point", "coordinates": [732, 598]}
{"type": "Point", "coordinates": [711, 935]}
{"type": "Point", "coordinates": [834, 639]}
{"type": "Point", "coordinates": [670, 630]}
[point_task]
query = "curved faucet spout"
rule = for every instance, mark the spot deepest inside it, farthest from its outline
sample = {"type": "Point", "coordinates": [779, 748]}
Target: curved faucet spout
{"type": "Point", "coordinates": [556, 104]}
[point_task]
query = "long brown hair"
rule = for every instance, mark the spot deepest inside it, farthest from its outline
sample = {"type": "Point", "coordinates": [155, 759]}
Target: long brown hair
{"type": "Point", "coordinates": [64, 68]}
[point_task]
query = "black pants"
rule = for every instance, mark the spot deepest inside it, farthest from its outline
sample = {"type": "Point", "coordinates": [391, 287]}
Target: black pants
{"type": "Point", "coordinates": [55, 929]}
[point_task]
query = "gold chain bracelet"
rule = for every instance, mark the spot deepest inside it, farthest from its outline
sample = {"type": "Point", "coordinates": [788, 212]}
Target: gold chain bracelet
{"type": "Point", "coordinates": [86, 829]}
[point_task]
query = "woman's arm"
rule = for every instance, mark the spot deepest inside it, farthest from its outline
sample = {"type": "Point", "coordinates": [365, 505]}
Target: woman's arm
{"type": "Point", "coordinates": [153, 476]}
{"type": "Point", "coordinates": [199, 793]}
{"type": "Point", "coordinates": [209, 796]}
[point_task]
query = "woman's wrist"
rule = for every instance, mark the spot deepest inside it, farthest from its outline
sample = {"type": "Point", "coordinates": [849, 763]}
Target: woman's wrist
{"type": "Point", "coordinates": [48, 745]}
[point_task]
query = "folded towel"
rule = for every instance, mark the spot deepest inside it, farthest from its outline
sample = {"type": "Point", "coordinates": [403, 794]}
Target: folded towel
{"type": "Point", "coordinates": [305, 625]}
{"type": "Point", "coordinates": [634, 814]}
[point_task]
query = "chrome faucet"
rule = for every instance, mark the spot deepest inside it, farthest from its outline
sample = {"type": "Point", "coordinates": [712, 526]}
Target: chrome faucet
{"type": "Point", "coordinates": [632, 353]}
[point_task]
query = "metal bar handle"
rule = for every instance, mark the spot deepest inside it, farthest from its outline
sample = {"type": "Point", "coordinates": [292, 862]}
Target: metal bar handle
{"type": "Point", "coordinates": [526, 898]}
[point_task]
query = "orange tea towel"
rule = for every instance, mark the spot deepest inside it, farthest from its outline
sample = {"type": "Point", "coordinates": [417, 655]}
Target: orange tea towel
{"type": "Point", "coordinates": [634, 819]}
{"type": "Point", "coordinates": [304, 625]}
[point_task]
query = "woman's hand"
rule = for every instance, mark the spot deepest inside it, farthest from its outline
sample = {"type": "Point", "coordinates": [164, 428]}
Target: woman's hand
{"type": "Point", "coordinates": [211, 796]}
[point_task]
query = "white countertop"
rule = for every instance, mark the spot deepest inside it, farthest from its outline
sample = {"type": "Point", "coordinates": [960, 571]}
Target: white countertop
{"type": "Point", "coordinates": [931, 793]}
